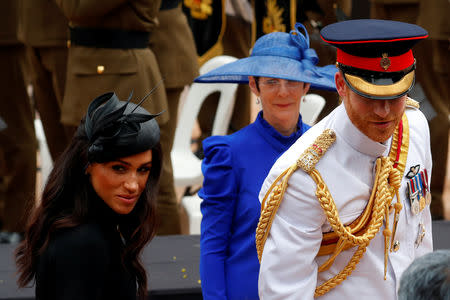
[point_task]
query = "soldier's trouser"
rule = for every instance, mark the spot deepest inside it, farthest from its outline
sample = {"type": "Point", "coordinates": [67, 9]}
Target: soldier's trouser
{"type": "Point", "coordinates": [47, 72]}
{"type": "Point", "coordinates": [168, 208]}
{"type": "Point", "coordinates": [17, 143]}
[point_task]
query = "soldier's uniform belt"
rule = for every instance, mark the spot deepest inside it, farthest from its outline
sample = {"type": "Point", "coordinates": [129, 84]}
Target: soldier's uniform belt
{"type": "Point", "coordinates": [169, 4]}
{"type": "Point", "coordinates": [108, 38]}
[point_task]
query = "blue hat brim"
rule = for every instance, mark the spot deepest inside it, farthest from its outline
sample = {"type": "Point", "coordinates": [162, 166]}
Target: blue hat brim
{"type": "Point", "coordinates": [274, 67]}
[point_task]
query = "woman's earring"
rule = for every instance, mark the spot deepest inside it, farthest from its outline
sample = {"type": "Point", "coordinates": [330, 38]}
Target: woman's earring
{"type": "Point", "coordinates": [258, 101]}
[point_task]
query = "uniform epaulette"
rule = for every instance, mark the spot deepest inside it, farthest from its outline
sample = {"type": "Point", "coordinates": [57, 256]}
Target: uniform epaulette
{"type": "Point", "coordinates": [309, 158]}
{"type": "Point", "coordinates": [412, 103]}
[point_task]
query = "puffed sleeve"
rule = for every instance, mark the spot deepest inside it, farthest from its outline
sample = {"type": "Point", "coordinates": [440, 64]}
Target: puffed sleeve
{"type": "Point", "coordinates": [74, 266]}
{"type": "Point", "coordinates": [218, 205]}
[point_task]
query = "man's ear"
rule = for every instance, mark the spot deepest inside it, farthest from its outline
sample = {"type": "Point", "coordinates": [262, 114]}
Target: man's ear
{"type": "Point", "coordinates": [341, 86]}
{"type": "Point", "coordinates": [252, 85]}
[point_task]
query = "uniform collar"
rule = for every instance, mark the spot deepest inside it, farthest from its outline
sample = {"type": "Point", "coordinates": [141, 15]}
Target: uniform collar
{"type": "Point", "coordinates": [355, 138]}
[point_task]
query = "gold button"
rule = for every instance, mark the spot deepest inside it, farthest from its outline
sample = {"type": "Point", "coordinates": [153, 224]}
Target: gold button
{"type": "Point", "coordinates": [396, 246]}
{"type": "Point", "coordinates": [100, 69]}
{"type": "Point", "coordinates": [68, 43]}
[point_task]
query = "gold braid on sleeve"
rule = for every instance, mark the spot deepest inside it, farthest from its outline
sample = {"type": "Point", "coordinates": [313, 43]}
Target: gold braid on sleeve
{"type": "Point", "coordinates": [360, 232]}
{"type": "Point", "coordinates": [275, 193]}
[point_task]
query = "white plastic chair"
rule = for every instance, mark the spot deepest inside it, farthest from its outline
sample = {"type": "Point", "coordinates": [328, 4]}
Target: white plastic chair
{"type": "Point", "coordinates": [46, 163]}
{"type": "Point", "coordinates": [192, 206]}
{"type": "Point", "coordinates": [310, 108]}
{"type": "Point", "coordinates": [186, 166]}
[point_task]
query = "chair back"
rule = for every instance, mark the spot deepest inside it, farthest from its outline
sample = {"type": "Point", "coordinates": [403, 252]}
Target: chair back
{"type": "Point", "coordinates": [186, 166]}
{"type": "Point", "coordinates": [310, 108]}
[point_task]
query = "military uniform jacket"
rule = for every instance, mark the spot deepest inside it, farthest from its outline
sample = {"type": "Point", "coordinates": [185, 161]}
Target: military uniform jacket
{"type": "Point", "coordinates": [8, 22]}
{"type": "Point", "coordinates": [174, 47]}
{"type": "Point", "coordinates": [93, 71]}
{"type": "Point", "coordinates": [42, 24]}
{"type": "Point", "coordinates": [289, 263]}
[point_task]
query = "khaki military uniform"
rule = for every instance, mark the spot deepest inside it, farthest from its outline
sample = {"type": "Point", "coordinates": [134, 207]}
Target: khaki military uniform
{"type": "Point", "coordinates": [432, 56]}
{"type": "Point", "coordinates": [174, 48]}
{"type": "Point", "coordinates": [43, 29]}
{"type": "Point", "coordinates": [92, 71]}
{"type": "Point", "coordinates": [17, 141]}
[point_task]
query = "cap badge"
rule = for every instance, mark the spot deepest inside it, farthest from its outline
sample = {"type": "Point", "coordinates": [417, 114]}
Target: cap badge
{"type": "Point", "coordinates": [385, 62]}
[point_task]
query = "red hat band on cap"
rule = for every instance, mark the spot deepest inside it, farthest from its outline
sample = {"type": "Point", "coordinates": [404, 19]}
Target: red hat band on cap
{"type": "Point", "coordinates": [379, 64]}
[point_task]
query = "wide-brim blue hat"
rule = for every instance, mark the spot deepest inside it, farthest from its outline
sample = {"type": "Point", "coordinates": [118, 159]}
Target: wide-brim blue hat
{"type": "Point", "coordinates": [277, 55]}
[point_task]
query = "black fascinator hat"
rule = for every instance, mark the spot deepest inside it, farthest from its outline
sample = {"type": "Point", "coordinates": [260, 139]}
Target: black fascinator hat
{"type": "Point", "coordinates": [117, 128]}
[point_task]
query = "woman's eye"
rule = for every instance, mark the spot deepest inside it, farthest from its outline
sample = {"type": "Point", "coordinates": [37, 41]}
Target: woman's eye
{"type": "Point", "coordinates": [144, 169]}
{"type": "Point", "coordinates": [118, 168]}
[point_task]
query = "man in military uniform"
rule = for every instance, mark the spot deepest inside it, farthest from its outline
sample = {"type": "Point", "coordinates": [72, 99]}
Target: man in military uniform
{"type": "Point", "coordinates": [346, 208]}
{"type": "Point", "coordinates": [43, 29]}
{"type": "Point", "coordinates": [174, 48]}
{"type": "Point", "coordinates": [17, 140]}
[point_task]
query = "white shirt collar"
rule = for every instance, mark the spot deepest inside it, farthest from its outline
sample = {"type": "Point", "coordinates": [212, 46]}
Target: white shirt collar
{"type": "Point", "coordinates": [355, 138]}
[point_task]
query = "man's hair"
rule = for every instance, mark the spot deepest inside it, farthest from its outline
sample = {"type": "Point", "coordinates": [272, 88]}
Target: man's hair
{"type": "Point", "coordinates": [428, 277]}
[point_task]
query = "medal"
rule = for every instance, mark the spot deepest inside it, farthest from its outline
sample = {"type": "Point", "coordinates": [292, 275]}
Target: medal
{"type": "Point", "coordinates": [413, 194]}
{"type": "Point", "coordinates": [419, 184]}
{"type": "Point", "coordinates": [428, 199]}
{"type": "Point", "coordinates": [420, 235]}
{"type": "Point", "coordinates": [415, 206]}
{"type": "Point", "coordinates": [422, 203]}
{"type": "Point", "coordinates": [427, 187]}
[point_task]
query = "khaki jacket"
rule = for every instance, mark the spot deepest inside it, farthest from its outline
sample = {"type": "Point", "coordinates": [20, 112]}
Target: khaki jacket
{"type": "Point", "coordinates": [94, 71]}
{"type": "Point", "coordinates": [433, 16]}
{"type": "Point", "coordinates": [174, 47]}
{"type": "Point", "coordinates": [41, 23]}
{"type": "Point", "coordinates": [8, 22]}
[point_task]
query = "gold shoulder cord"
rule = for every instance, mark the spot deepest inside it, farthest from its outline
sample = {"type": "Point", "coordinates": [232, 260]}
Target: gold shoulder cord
{"type": "Point", "coordinates": [412, 103]}
{"type": "Point", "coordinates": [365, 227]}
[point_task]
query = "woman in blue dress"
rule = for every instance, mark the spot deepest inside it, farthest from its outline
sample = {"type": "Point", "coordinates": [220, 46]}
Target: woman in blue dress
{"type": "Point", "coordinates": [280, 71]}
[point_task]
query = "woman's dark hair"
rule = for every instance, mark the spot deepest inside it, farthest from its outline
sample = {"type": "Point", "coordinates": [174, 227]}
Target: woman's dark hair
{"type": "Point", "coordinates": [65, 204]}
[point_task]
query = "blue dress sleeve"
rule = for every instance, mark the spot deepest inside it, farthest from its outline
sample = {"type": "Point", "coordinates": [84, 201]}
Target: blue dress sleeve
{"type": "Point", "coordinates": [218, 205]}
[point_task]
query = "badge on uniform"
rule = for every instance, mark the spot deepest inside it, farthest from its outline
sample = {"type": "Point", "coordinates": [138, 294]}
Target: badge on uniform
{"type": "Point", "coordinates": [418, 189]}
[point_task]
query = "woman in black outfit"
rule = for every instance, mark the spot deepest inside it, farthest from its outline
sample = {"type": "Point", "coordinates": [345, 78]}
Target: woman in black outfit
{"type": "Point", "coordinates": [97, 211]}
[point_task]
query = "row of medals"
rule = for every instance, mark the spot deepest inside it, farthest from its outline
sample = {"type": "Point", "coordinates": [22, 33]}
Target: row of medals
{"type": "Point", "coordinates": [419, 191]}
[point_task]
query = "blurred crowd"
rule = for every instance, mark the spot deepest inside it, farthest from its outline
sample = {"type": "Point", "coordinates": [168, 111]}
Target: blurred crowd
{"type": "Point", "coordinates": [69, 52]}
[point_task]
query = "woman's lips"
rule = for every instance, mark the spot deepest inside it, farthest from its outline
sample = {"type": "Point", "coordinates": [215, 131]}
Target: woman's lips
{"type": "Point", "coordinates": [283, 105]}
{"type": "Point", "coordinates": [128, 198]}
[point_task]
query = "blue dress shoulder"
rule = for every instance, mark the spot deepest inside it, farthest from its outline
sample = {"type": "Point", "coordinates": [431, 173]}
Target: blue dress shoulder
{"type": "Point", "coordinates": [234, 169]}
